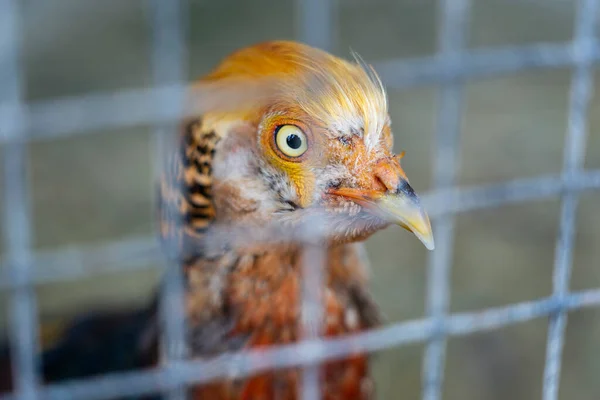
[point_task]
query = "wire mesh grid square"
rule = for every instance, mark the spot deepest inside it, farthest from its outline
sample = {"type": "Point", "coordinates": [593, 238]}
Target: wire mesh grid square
{"type": "Point", "coordinates": [163, 105]}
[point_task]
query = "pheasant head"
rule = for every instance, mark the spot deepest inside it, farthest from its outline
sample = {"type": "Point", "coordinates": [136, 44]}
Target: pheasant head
{"type": "Point", "coordinates": [307, 136]}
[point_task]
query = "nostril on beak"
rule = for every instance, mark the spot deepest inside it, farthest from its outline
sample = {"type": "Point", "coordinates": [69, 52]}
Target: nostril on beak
{"type": "Point", "coordinates": [387, 175]}
{"type": "Point", "coordinates": [405, 189]}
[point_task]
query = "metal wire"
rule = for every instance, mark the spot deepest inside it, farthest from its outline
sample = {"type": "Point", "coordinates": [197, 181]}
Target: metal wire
{"type": "Point", "coordinates": [95, 112]}
{"type": "Point", "coordinates": [313, 286]}
{"type": "Point", "coordinates": [162, 105]}
{"type": "Point", "coordinates": [74, 263]}
{"type": "Point", "coordinates": [237, 365]}
{"type": "Point", "coordinates": [138, 253]}
{"type": "Point", "coordinates": [168, 60]}
{"type": "Point", "coordinates": [17, 215]}
{"type": "Point", "coordinates": [314, 25]}
{"type": "Point", "coordinates": [451, 38]}
{"type": "Point", "coordinates": [574, 155]}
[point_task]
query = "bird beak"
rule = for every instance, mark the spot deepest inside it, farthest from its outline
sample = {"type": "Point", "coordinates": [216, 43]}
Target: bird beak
{"type": "Point", "coordinates": [401, 207]}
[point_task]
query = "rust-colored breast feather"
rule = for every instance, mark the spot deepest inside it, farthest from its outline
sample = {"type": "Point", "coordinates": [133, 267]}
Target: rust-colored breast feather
{"type": "Point", "coordinates": [260, 306]}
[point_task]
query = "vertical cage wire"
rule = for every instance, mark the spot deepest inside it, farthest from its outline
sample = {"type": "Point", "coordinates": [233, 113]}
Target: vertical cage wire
{"type": "Point", "coordinates": [17, 213]}
{"type": "Point", "coordinates": [315, 26]}
{"type": "Point", "coordinates": [312, 311]}
{"type": "Point", "coordinates": [315, 22]}
{"type": "Point", "coordinates": [169, 59]}
{"type": "Point", "coordinates": [451, 40]}
{"type": "Point", "coordinates": [581, 92]}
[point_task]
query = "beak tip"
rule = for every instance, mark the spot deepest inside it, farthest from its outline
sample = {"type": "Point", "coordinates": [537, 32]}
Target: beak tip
{"type": "Point", "coordinates": [429, 243]}
{"type": "Point", "coordinates": [427, 239]}
{"type": "Point", "coordinates": [421, 228]}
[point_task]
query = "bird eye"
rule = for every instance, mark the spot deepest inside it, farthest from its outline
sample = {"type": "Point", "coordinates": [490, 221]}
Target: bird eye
{"type": "Point", "coordinates": [291, 141]}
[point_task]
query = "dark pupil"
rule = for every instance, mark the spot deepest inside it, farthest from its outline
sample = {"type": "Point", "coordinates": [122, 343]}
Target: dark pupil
{"type": "Point", "coordinates": [294, 141]}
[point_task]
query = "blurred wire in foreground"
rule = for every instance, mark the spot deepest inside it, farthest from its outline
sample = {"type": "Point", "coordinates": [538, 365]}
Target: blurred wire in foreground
{"type": "Point", "coordinates": [22, 268]}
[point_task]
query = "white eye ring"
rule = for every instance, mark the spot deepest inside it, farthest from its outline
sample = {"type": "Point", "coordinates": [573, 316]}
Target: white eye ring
{"type": "Point", "coordinates": [291, 141]}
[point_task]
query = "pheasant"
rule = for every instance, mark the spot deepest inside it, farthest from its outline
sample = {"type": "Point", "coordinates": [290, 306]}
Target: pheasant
{"type": "Point", "coordinates": [292, 148]}
{"type": "Point", "coordinates": [313, 148]}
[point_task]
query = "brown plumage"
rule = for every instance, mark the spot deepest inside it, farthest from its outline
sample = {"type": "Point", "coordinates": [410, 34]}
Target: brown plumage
{"type": "Point", "coordinates": [309, 137]}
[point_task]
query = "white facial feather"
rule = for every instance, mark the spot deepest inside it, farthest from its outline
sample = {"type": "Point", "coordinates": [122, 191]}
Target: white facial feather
{"type": "Point", "coordinates": [238, 167]}
{"type": "Point", "coordinates": [334, 173]}
{"type": "Point", "coordinates": [233, 165]}
{"type": "Point", "coordinates": [376, 105]}
{"type": "Point", "coordinates": [348, 99]}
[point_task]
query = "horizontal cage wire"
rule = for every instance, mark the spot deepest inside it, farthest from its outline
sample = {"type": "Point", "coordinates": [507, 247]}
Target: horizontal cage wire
{"type": "Point", "coordinates": [162, 106]}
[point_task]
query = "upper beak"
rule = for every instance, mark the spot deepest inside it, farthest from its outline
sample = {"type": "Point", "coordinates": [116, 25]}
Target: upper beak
{"type": "Point", "coordinates": [401, 207]}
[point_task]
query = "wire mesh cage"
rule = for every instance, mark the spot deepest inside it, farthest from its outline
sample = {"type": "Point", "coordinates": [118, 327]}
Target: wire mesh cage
{"type": "Point", "coordinates": [162, 105]}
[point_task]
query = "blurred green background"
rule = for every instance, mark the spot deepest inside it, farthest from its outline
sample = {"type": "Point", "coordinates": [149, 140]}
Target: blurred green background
{"type": "Point", "coordinates": [98, 187]}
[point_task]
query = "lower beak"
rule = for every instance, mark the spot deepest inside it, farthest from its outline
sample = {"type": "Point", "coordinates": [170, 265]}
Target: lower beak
{"type": "Point", "coordinates": [401, 207]}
